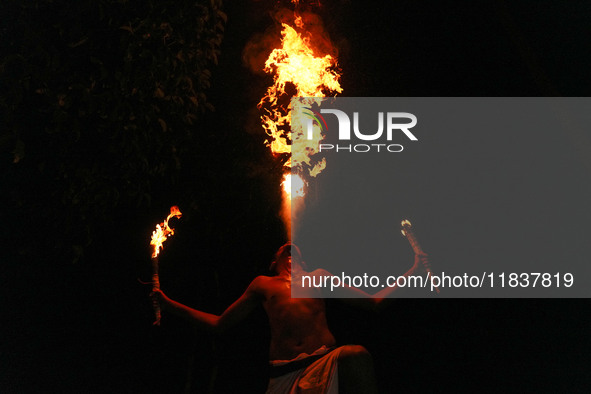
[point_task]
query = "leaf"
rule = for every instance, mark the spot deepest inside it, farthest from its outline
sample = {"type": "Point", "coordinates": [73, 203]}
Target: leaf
{"type": "Point", "coordinates": [223, 16]}
{"type": "Point", "coordinates": [19, 151]}
{"type": "Point", "coordinates": [162, 124]}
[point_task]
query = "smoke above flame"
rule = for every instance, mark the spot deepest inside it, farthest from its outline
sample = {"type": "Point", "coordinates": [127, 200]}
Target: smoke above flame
{"type": "Point", "coordinates": [303, 64]}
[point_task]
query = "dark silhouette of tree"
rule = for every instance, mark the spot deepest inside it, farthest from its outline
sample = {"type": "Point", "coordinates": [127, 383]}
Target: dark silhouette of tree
{"type": "Point", "coordinates": [98, 99]}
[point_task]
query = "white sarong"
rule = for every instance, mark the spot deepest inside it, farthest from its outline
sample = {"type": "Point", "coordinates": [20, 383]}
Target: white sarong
{"type": "Point", "coordinates": [315, 373]}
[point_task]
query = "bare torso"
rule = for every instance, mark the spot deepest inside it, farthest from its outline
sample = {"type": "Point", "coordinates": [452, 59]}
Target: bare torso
{"type": "Point", "coordinates": [298, 325]}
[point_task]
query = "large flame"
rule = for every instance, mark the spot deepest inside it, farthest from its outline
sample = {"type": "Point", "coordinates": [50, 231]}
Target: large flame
{"type": "Point", "coordinates": [163, 231]}
{"type": "Point", "coordinates": [300, 68]}
{"type": "Point", "coordinates": [296, 66]}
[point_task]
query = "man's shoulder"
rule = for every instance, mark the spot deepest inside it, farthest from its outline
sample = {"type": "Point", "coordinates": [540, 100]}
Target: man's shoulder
{"type": "Point", "coordinates": [265, 286]}
{"type": "Point", "coordinates": [261, 282]}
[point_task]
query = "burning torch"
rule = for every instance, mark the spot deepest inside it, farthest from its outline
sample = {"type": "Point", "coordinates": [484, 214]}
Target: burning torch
{"type": "Point", "coordinates": [162, 232]}
{"type": "Point", "coordinates": [409, 234]}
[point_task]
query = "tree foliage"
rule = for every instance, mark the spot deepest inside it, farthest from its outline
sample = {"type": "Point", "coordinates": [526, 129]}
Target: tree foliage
{"type": "Point", "coordinates": [97, 101]}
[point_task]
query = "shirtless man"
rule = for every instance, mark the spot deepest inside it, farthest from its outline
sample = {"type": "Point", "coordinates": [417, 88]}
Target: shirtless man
{"type": "Point", "coordinates": [298, 329]}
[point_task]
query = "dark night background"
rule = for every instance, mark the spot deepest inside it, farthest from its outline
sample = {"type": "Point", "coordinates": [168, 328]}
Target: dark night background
{"type": "Point", "coordinates": [95, 148]}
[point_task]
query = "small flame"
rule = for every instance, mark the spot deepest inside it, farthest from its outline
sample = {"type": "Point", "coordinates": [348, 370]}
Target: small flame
{"type": "Point", "coordinates": [163, 231]}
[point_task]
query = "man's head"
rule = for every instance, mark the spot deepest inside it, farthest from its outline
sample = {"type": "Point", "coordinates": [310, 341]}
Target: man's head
{"type": "Point", "coordinates": [287, 255]}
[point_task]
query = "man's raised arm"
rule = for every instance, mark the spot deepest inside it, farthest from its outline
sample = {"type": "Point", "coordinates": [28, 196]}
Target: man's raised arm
{"type": "Point", "coordinates": [360, 298]}
{"type": "Point", "coordinates": [236, 312]}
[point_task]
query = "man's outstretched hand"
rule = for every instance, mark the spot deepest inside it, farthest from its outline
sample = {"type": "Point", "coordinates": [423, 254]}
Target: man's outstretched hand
{"type": "Point", "coordinates": [158, 297]}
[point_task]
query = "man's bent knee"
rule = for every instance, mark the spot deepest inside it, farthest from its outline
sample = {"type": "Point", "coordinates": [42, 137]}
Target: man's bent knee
{"type": "Point", "coordinates": [353, 357]}
{"type": "Point", "coordinates": [354, 352]}
{"type": "Point", "coordinates": [356, 373]}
